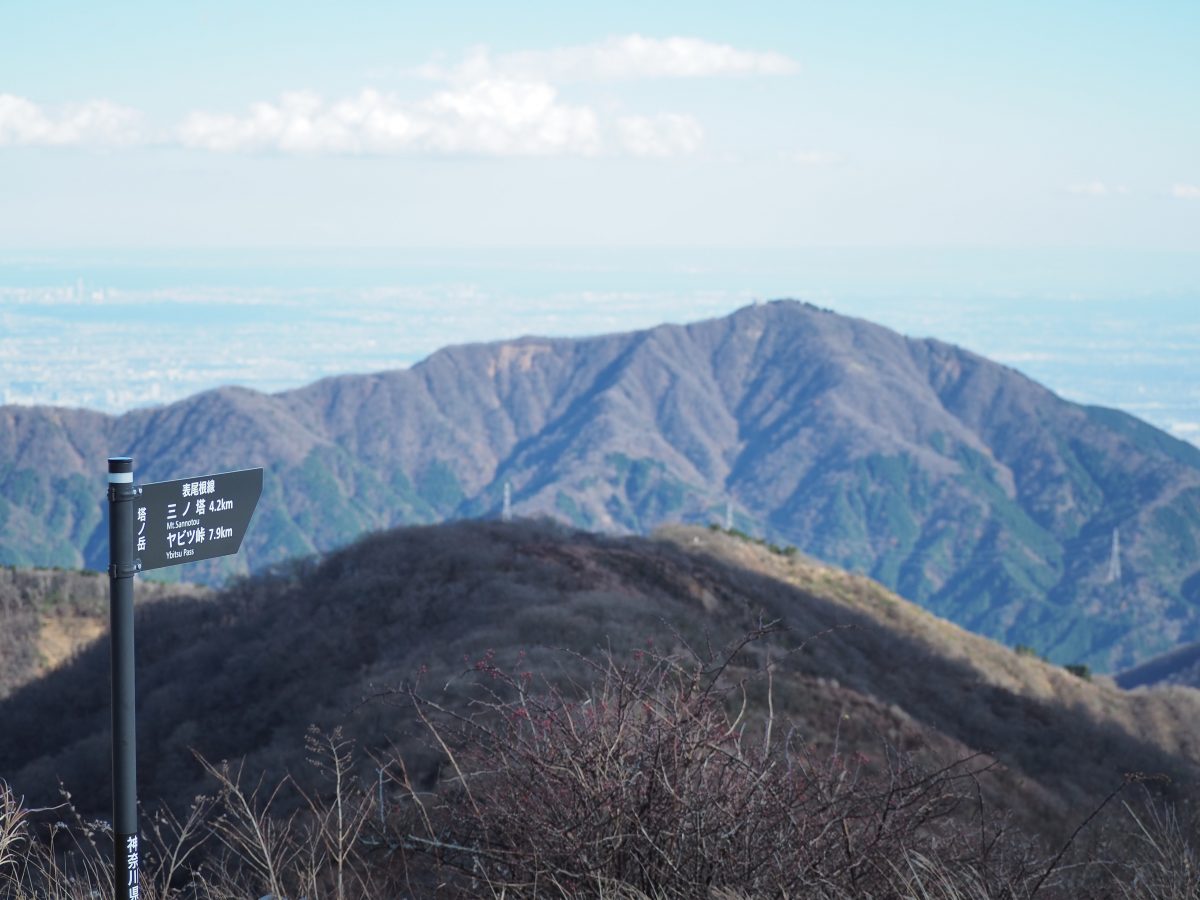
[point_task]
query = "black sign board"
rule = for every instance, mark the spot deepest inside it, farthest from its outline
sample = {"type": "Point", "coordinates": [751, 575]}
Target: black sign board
{"type": "Point", "coordinates": [191, 519]}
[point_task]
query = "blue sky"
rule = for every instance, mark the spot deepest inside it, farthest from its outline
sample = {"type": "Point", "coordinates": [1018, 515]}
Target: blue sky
{"type": "Point", "coordinates": [1015, 125]}
{"type": "Point", "coordinates": [1022, 178]}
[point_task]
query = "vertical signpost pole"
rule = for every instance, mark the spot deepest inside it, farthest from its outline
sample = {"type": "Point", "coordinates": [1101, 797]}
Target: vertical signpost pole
{"type": "Point", "coordinates": [171, 522]}
{"type": "Point", "coordinates": [121, 569]}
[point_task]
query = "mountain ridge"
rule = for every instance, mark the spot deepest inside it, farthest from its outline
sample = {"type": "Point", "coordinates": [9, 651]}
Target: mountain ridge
{"type": "Point", "coordinates": [960, 482]}
{"type": "Point", "coordinates": [243, 673]}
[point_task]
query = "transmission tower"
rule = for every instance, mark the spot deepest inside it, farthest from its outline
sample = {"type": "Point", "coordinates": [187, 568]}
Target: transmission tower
{"type": "Point", "coordinates": [1114, 559]}
{"type": "Point", "coordinates": [506, 514]}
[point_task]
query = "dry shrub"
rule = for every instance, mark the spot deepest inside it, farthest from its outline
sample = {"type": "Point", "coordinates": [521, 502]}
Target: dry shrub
{"type": "Point", "coordinates": [648, 781]}
{"type": "Point", "coordinates": [652, 781]}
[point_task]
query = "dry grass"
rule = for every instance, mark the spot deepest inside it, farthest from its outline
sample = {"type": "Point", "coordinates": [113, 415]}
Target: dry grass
{"type": "Point", "coordinates": [49, 615]}
{"type": "Point", "coordinates": [232, 844]}
{"type": "Point", "coordinates": [856, 670]}
{"type": "Point", "coordinates": [644, 784]}
{"type": "Point", "coordinates": [1164, 716]}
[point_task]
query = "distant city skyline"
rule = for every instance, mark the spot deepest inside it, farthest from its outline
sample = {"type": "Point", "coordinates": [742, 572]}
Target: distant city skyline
{"type": "Point", "coordinates": [88, 331]}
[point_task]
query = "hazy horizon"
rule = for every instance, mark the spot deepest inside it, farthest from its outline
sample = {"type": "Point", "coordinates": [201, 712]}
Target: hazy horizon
{"type": "Point", "coordinates": [113, 331]}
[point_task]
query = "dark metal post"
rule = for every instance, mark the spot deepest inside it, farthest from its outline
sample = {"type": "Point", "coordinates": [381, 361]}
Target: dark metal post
{"type": "Point", "coordinates": [121, 569]}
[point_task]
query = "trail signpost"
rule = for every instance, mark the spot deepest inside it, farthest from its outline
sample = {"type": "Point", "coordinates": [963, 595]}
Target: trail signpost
{"type": "Point", "coordinates": [164, 523]}
{"type": "Point", "coordinates": [193, 518]}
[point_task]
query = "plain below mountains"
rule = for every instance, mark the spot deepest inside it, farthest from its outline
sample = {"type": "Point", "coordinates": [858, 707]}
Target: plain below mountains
{"type": "Point", "coordinates": [956, 481]}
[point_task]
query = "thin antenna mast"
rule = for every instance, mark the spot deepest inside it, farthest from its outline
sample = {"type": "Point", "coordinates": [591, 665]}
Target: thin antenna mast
{"type": "Point", "coordinates": [1114, 559]}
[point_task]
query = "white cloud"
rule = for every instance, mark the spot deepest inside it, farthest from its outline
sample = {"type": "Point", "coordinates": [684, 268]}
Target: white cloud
{"type": "Point", "coordinates": [508, 106]}
{"type": "Point", "coordinates": [1185, 191]}
{"type": "Point", "coordinates": [504, 117]}
{"type": "Point", "coordinates": [635, 56]}
{"type": "Point", "coordinates": [1097, 189]}
{"type": "Point", "coordinates": [491, 117]}
{"type": "Point", "coordinates": [663, 135]}
{"type": "Point", "coordinates": [620, 58]}
{"type": "Point", "coordinates": [97, 122]}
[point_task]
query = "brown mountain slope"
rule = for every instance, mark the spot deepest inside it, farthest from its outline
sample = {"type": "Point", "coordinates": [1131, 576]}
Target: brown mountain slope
{"type": "Point", "coordinates": [47, 615]}
{"type": "Point", "coordinates": [245, 672]}
{"type": "Point", "coordinates": [956, 481]}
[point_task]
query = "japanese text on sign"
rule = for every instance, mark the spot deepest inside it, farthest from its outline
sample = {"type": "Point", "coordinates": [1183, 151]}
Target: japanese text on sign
{"type": "Point", "coordinates": [196, 518]}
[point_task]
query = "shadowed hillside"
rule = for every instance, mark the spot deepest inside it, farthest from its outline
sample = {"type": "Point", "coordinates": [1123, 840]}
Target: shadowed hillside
{"type": "Point", "coordinates": [246, 671]}
{"type": "Point", "coordinates": [47, 615]}
{"type": "Point", "coordinates": [958, 482]}
{"type": "Point", "coordinates": [1180, 666]}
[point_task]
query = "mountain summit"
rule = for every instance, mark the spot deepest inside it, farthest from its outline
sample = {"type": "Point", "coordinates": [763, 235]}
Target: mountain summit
{"type": "Point", "coordinates": [956, 481]}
